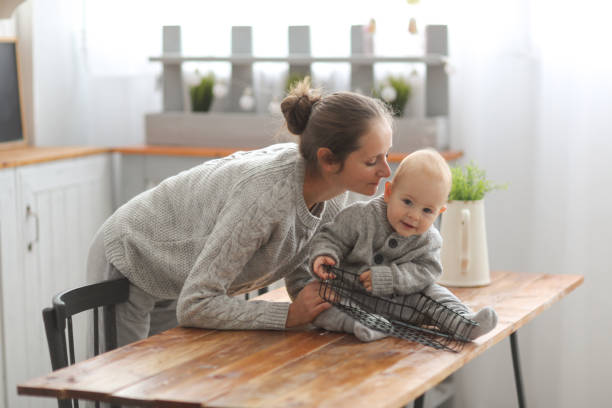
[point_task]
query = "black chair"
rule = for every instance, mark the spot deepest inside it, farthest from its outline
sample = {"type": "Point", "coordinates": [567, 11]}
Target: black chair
{"type": "Point", "coordinates": [71, 302]}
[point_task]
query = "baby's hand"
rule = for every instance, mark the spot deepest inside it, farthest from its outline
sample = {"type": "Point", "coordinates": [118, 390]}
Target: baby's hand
{"type": "Point", "coordinates": [366, 280]}
{"type": "Point", "coordinates": [320, 269]}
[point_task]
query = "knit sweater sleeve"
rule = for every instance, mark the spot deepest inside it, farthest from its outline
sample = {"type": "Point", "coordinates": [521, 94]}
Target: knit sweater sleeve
{"type": "Point", "coordinates": [302, 275]}
{"type": "Point", "coordinates": [297, 279]}
{"type": "Point", "coordinates": [412, 272]}
{"type": "Point", "coordinates": [337, 238]}
{"type": "Point", "coordinates": [243, 225]}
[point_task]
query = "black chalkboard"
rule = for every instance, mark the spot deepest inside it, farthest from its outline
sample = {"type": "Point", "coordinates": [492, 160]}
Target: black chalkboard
{"type": "Point", "coordinates": [11, 126]}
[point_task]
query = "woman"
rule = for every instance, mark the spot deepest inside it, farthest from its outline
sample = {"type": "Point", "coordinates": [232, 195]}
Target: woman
{"type": "Point", "coordinates": [242, 222]}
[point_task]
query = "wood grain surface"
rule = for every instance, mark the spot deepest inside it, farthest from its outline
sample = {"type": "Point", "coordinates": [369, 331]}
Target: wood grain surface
{"type": "Point", "coordinates": [186, 367]}
{"type": "Point", "coordinates": [30, 155]}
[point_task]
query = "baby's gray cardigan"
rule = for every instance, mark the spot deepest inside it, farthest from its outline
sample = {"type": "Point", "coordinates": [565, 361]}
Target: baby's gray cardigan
{"type": "Point", "coordinates": [223, 228]}
{"type": "Point", "coordinates": [361, 238]}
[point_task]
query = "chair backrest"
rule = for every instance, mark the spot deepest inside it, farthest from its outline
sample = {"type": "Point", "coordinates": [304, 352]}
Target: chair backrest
{"type": "Point", "coordinates": [66, 304]}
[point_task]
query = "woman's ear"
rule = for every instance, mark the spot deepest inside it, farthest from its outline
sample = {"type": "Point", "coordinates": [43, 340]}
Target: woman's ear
{"type": "Point", "coordinates": [327, 160]}
{"type": "Point", "coordinates": [388, 186]}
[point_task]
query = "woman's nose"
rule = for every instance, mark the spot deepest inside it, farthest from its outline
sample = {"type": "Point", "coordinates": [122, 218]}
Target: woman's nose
{"type": "Point", "coordinates": [384, 171]}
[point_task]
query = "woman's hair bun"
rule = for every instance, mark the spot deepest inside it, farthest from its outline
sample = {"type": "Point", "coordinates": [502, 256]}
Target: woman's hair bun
{"type": "Point", "coordinates": [297, 106]}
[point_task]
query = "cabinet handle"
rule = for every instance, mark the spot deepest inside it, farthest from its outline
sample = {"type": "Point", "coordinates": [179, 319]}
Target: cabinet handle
{"type": "Point", "coordinates": [30, 213]}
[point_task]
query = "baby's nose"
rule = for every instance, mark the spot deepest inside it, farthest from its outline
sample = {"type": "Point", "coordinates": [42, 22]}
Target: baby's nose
{"type": "Point", "coordinates": [414, 214]}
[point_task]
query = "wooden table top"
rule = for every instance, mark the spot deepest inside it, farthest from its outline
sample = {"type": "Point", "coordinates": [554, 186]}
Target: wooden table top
{"type": "Point", "coordinates": [199, 368]}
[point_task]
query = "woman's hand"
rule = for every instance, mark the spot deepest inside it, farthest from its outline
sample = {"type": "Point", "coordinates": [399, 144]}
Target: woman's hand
{"type": "Point", "coordinates": [320, 269]}
{"type": "Point", "coordinates": [306, 306]}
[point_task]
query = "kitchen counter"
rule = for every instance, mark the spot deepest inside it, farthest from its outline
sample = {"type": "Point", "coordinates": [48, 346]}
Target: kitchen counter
{"type": "Point", "coordinates": [30, 155]}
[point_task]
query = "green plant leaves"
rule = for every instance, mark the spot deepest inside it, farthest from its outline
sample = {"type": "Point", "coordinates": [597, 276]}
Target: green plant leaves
{"type": "Point", "coordinates": [470, 183]}
{"type": "Point", "coordinates": [403, 90]}
{"type": "Point", "coordinates": [202, 94]}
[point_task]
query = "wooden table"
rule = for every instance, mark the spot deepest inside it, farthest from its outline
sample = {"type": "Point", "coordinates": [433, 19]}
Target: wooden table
{"type": "Point", "coordinates": [195, 368]}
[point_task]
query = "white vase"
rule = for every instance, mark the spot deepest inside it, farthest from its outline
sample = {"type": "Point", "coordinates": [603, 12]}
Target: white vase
{"type": "Point", "coordinates": [465, 259]}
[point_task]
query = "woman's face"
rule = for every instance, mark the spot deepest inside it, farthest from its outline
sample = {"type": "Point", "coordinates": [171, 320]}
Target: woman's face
{"type": "Point", "coordinates": [364, 168]}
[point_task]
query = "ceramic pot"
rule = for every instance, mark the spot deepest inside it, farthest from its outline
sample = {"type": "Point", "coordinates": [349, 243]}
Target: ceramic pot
{"type": "Point", "coordinates": [465, 259]}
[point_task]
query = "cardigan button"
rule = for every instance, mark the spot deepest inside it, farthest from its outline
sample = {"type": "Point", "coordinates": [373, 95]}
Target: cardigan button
{"type": "Point", "coordinates": [393, 243]}
{"type": "Point", "coordinates": [378, 259]}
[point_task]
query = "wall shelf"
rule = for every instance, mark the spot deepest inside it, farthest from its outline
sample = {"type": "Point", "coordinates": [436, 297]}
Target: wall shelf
{"type": "Point", "coordinates": [229, 125]}
{"type": "Point", "coordinates": [429, 59]}
{"type": "Point", "coordinates": [249, 130]}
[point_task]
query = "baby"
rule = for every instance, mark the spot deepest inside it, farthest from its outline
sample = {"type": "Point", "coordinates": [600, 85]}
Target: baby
{"type": "Point", "coordinates": [390, 241]}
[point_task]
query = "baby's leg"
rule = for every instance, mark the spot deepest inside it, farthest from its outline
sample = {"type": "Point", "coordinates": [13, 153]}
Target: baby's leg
{"type": "Point", "coordinates": [486, 317]}
{"type": "Point", "coordinates": [435, 306]}
{"type": "Point", "coordinates": [366, 334]}
{"type": "Point", "coordinates": [447, 312]}
{"type": "Point", "coordinates": [335, 320]}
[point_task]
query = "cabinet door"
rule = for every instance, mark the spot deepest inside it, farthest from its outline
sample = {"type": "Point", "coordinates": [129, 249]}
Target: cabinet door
{"type": "Point", "coordinates": [9, 267]}
{"type": "Point", "coordinates": [61, 205]}
{"type": "Point", "coordinates": [139, 173]}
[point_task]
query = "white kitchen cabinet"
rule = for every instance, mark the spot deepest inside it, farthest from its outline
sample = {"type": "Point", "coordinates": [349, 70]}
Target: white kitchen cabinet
{"type": "Point", "coordinates": [8, 262]}
{"type": "Point", "coordinates": [56, 209]}
{"type": "Point", "coordinates": [137, 172]}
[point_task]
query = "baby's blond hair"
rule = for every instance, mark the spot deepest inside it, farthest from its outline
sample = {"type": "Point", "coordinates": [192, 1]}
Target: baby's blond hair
{"type": "Point", "coordinates": [426, 161]}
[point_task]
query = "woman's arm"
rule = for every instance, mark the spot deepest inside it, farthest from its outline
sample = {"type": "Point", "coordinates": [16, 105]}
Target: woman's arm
{"type": "Point", "coordinates": [240, 230]}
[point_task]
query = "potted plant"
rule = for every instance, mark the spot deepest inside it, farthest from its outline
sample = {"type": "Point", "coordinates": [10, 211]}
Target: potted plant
{"type": "Point", "coordinates": [202, 94]}
{"type": "Point", "coordinates": [395, 91]}
{"type": "Point", "coordinates": [470, 183]}
{"type": "Point", "coordinates": [464, 254]}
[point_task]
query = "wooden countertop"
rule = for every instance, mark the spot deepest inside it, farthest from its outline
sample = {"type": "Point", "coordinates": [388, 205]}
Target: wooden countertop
{"type": "Point", "coordinates": [194, 151]}
{"type": "Point", "coordinates": [31, 155]}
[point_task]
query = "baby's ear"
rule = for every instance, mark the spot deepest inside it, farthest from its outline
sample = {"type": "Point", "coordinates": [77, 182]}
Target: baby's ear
{"type": "Point", "coordinates": [388, 186]}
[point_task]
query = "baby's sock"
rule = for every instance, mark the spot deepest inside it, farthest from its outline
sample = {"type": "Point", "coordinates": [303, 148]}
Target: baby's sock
{"type": "Point", "coordinates": [487, 320]}
{"type": "Point", "coordinates": [366, 334]}
{"type": "Point", "coordinates": [335, 320]}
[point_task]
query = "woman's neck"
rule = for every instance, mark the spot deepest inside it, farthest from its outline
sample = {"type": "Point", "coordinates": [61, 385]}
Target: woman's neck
{"type": "Point", "coordinates": [318, 188]}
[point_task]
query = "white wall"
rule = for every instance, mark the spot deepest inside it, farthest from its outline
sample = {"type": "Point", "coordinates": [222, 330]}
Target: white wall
{"type": "Point", "coordinates": [7, 27]}
{"type": "Point", "coordinates": [531, 104]}
{"type": "Point", "coordinates": [73, 106]}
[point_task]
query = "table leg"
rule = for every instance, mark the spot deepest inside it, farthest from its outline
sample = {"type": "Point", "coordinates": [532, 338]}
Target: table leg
{"type": "Point", "coordinates": [517, 370]}
{"type": "Point", "coordinates": [418, 403]}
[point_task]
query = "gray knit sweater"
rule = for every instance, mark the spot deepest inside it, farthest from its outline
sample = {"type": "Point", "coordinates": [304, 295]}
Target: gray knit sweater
{"type": "Point", "coordinates": [361, 238]}
{"type": "Point", "coordinates": [223, 228]}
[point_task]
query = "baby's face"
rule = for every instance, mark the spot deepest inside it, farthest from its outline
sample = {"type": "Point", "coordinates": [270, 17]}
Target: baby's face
{"type": "Point", "coordinates": [414, 202]}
